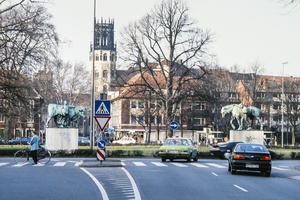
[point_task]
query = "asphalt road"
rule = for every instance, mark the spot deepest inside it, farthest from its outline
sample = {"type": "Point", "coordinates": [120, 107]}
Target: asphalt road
{"type": "Point", "coordinates": [144, 178]}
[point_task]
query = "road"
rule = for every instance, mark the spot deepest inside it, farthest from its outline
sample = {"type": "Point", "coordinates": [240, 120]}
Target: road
{"type": "Point", "coordinates": [145, 178]}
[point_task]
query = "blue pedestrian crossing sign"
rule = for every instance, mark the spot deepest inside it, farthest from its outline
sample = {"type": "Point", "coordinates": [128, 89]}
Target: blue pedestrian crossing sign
{"type": "Point", "coordinates": [102, 108]}
{"type": "Point", "coordinates": [173, 125]}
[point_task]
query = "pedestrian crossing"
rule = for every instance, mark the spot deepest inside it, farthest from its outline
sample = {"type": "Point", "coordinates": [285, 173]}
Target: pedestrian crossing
{"type": "Point", "coordinates": [54, 164]}
{"type": "Point", "coordinates": [135, 163]}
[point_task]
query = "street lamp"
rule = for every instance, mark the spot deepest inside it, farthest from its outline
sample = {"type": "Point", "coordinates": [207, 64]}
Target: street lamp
{"type": "Point", "coordinates": [282, 102]}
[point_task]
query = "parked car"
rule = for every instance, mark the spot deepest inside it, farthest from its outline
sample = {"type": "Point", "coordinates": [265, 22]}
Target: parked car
{"type": "Point", "coordinates": [251, 157]}
{"type": "Point", "coordinates": [223, 150]}
{"type": "Point", "coordinates": [84, 141]}
{"type": "Point", "coordinates": [2, 141]}
{"type": "Point", "coordinates": [125, 140]}
{"type": "Point", "coordinates": [17, 141]}
{"type": "Point", "coordinates": [178, 148]}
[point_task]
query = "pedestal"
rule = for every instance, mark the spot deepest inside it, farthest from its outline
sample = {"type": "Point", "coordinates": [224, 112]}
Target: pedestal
{"type": "Point", "coordinates": [251, 136]}
{"type": "Point", "coordinates": [62, 139]}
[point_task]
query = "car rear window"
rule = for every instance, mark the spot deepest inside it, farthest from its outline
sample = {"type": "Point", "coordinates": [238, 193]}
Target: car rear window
{"type": "Point", "coordinates": [250, 148]}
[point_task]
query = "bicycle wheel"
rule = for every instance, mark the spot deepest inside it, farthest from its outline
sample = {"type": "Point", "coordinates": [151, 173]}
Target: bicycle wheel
{"type": "Point", "coordinates": [44, 156]}
{"type": "Point", "coordinates": [21, 156]}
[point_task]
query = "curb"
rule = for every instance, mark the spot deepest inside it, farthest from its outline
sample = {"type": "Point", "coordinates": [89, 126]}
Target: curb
{"type": "Point", "coordinates": [97, 163]}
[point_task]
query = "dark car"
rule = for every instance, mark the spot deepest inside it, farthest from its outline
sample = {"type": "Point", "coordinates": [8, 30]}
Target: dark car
{"type": "Point", "coordinates": [17, 141]}
{"type": "Point", "coordinates": [2, 141]}
{"type": "Point", "coordinates": [223, 150]}
{"type": "Point", "coordinates": [250, 157]}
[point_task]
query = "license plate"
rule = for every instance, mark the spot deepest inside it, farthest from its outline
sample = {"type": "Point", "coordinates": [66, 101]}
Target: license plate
{"type": "Point", "coordinates": [174, 152]}
{"type": "Point", "coordinates": [252, 166]}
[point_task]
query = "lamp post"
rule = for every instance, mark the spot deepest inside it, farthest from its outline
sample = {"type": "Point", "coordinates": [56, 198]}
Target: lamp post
{"type": "Point", "coordinates": [93, 83]}
{"type": "Point", "coordinates": [282, 93]}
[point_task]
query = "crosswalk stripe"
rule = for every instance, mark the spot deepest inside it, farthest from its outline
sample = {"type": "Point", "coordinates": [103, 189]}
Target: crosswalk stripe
{"type": "Point", "coordinates": [199, 165]}
{"type": "Point", "coordinates": [139, 164]}
{"type": "Point", "coordinates": [19, 165]}
{"type": "Point", "coordinates": [279, 168]}
{"type": "Point", "coordinates": [179, 165]}
{"type": "Point", "coordinates": [159, 164]}
{"type": "Point", "coordinates": [215, 165]}
{"type": "Point", "coordinates": [78, 163]}
{"type": "Point", "coordinates": [2, 164]}
{"type": "Point", "coordinates": [60, 164]}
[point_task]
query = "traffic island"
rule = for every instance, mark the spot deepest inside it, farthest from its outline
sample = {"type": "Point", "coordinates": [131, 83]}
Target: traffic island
{"type": "Point", "coordinates": [96, 163]}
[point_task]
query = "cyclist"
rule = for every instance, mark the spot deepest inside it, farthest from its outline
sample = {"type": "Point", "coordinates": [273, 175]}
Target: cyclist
{"type": "Point", "coordinates": [34, 146]}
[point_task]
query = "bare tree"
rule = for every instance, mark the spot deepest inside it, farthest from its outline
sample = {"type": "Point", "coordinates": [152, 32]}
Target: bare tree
{"type": "Point", "coordinates": [167, 36]}
{"type": "Point", "coordinates": [69, 81]}
{"type": "Point", "coordinates": [27, 39]}
{"type": "Point", "coordinates": [291, 101]}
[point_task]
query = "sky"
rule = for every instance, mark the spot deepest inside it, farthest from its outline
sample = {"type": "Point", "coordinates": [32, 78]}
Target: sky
{"type": "Point", "coordinates": [245, 31]}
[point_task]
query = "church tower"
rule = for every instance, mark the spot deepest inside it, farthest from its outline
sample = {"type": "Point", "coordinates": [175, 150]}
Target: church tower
{"type": "Point", "coordinates": [105, 57]}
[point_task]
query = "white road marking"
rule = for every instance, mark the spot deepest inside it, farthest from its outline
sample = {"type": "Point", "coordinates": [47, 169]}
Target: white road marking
{"type": "Point", "coordinates": [123, 164]}
{"type": "Point", "coordinates": [179, 164]}
{"type": "Point", "coordinates": [20, 165]}
{"type": "Point", "coordinates": [215, 165]}
{"type": "Point", "coordinates": [214, 174]}
{"type": "Point", "coordinates": [295, 177]}
{"type": "Point", "coordinates": [60, 164]}
{"type": "Point", "coordinates": [139, 164]}
{"type": "Point", "coordinates": [136, 192]}
{"type": "Point", "coordinates": [244, 190]}
{"type": "Point", "coordinates": [100, 187]}
{"type": "Point", "coordinates": [199, 165]}
{"type": "Point", "coordinates": [279, 168]}
{"type": "Point", "coordinates": [2, 164]}
{"type": "Point", "coordinates": [159, 164]}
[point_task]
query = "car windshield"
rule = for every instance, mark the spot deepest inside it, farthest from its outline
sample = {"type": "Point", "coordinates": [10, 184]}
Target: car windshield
{"type": "Point", "coordinates": [250, 148]}
{"type": "Point", "coordinates": [177, 141]}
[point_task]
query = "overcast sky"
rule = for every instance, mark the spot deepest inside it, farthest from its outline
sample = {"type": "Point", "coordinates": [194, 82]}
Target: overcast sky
{"type": "Point", "coordinates": [245, 31]}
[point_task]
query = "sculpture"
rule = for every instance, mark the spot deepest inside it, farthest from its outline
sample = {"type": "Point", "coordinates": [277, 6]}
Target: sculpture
{"type": "Point", "coordinates": [236, 114]}
{"type": "Point", "coordinates": [63, 115]}
{"type": "Point", "coordinates": [243, 115]}
{"type": "Point", "coordinates": [252, 112]}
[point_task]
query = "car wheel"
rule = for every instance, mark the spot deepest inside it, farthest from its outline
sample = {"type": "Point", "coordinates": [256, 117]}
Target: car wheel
{"type": "Point", "coordinates": [196, 158]}
{"type": "Point", "coordinates": [189, 158]}
{"type": "Point", "coordinates": [163, 159]}
{"type": "Point", "coordinates": [266, 174]}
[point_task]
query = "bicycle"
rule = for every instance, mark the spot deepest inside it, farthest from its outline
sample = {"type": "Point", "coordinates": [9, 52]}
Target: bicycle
{"type": "Point", "coordinates": [22, 156]}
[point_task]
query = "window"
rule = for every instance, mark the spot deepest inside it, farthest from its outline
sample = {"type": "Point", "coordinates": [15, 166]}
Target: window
{"type": "Point", "coordinates": [105, 57]}
{"type": "Point", "coordinates": [2, 118]}
{"type": "Point", "coordinates": [105, 89]}
{"type": "Point", "coordinates": [104, 73]}
{"type": "Point", "coordinates": [198, 121]}
{"type": "Point", "coordinates": [133, 119]}
{"type": "Point", "coordinates": [97, 75]}
{"type": "Point", "coordinates": [97, 57]}
{"type": "Point", "coordinates": [199, 106]}
{"type": "Point", "coordinates": [141, 104]}
{"type": "Point", "coordinates": [159, 119]}
{"type": "Point", "coordinates": [133, 104]}
{"type": "Point", "coordinates": [113, 57]}
{"type": "Point", "coordinates": [141, 119]}
{"type": "Point", "coordinates": [152, 105]}
{"type": "Point", "coordinates": [152, 120]}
